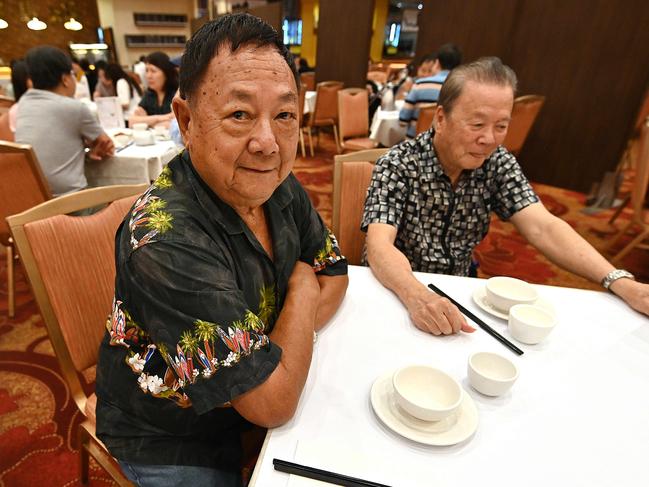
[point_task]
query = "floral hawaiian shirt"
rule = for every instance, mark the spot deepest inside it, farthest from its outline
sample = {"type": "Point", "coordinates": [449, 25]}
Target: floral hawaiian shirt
{"type": "Point", "coordinates": [196, 297]}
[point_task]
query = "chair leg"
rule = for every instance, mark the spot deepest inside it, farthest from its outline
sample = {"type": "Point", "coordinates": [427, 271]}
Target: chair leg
{"type": "Point", "coordinates": [619, 209]}
{"type": "Point", "coordinates": [84, 457]}
{"type": "Point", "coordinates": [11, 305]}
{"type": "Point", "coordinates": [619, 235]}
{"type": "Point", "coordinates": [629, 247]}
{"type": "Point", "coordinates": [310, 140]}
{"type": "Point", "coordinates": [302, 142]}
{"type": "Point", "coordinates": [336, 139]}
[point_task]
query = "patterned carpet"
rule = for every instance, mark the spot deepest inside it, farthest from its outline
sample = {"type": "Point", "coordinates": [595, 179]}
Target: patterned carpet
{"type": "Point", "coordinates": [38, 418]}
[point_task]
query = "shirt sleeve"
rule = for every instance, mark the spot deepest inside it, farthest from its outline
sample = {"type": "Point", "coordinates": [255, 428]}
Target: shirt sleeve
{"type": "Point", "coordinates": [210, 347]}
{"type": "Point", "coordinates": [88, 124]}
{"type": "Point", "coordinates": [123, 92]}
{"type": "Point", "coordinates": [386, 194]}
{"type": "Point", "coordinates": [513, 191]}
{"type": "Point", "coordinates": [318, 244]}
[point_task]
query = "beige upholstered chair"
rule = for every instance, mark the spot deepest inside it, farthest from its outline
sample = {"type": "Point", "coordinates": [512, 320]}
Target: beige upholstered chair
{"type": "Point", "coordinates": [325, 112]}
{"type": "Point", "coordinates": [353, 119]}
{"type": "Point", "coordinates": [5, 131]}
{"type": "Point", "coordinates": [352, 174]}
{"type": "Point", "coordinates": [70, 264]}
{"type": "Point", "coordinates": [5, 104]}
{"type": "Point", "coordinates": [308, 80]}
{"type": "Point", "coordinates": [22, 186]}
{"type": "Point", "coordinates": [425, 117]}
{"type": "Point", "coordinates": [640, 217]}
{"type": "Point", "coordinates": [526, 109]}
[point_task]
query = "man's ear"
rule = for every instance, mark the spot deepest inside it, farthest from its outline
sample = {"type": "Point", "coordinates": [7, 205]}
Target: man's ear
{"type": "Point", "coordinates": [183, 115]}
{"type": "Point", "coordinates": [439, 119]}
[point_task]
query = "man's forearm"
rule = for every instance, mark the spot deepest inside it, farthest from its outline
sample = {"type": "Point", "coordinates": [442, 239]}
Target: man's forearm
{"type": "Point", "coordinates": [393, 270]}
{"type": "Point", "coordinates": [332, 292]}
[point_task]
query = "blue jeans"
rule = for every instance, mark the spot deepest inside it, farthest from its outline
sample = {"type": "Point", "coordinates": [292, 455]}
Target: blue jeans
{"type": "Point", "coordinates": [173, 475]}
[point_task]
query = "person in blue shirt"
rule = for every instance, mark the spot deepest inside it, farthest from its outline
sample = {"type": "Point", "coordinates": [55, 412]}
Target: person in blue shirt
{"type": "Point", "coordinates": [426, 89]}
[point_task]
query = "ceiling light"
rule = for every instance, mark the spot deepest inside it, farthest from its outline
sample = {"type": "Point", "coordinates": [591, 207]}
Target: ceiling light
{"type": "Point", "coordinates": [3, 24]}
{"type": "Point", "coordinates": [36, 24]}
{"type": "Point", "coordinates": [73, 24]}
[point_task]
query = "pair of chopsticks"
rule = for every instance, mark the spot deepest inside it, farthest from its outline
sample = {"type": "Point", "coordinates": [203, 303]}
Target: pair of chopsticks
{"type": "Point", "coordinates": [322, 475]}
{"type": "Point", "coordinates": [478, 321]}
{"type": "Point", "coordinates": [129, 144]}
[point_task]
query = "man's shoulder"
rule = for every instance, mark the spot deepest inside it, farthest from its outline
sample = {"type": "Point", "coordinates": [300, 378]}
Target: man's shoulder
{"type": "Point", "coordinates": [409, 153]}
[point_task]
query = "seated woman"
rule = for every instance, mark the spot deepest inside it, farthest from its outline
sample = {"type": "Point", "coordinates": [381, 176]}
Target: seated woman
{"type": "Point", "coordinates": [128, 91]}
{"type": "Point", "coordinates": [20, 83]}
{"type": "Point", "coordinates": [162, 80]}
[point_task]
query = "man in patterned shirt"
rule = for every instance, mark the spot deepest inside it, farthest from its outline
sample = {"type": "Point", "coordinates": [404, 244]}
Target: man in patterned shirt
{"type": "Point", "coordinates": [430, 199]}
{"type": "Point", "coordinates": [224, 272]}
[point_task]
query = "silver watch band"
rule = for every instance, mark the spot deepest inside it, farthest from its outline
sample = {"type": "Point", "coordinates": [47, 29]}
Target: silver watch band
{"type": "Point", "coordinates": [614, 275]}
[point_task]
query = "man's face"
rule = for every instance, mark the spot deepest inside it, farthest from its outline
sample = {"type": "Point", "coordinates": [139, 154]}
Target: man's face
{"type": "Point", "coordinates": [241, 126]}
{"type": "Point", "coordinates": [476, 126]}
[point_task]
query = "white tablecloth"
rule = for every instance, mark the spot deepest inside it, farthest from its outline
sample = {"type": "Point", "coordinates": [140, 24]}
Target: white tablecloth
{"type": "Point", "coordinates": [385, 127]}
{"type": "Point", "coordinates": [309, 101]}
{"type": "Point", "coordinates": [577, 416]}
{"type": "Point", "coordinates": [132, 165]}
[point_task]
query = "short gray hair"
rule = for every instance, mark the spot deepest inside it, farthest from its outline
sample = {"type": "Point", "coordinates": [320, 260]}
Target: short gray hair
{"type": "Point", "coordinates": [486, 70]}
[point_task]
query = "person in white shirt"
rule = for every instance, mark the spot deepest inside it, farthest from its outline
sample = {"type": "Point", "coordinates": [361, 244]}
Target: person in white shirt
{"type": "Point", "coordinates": [82, 91]}
{"type": "Point", "coordinates": [127, 90]}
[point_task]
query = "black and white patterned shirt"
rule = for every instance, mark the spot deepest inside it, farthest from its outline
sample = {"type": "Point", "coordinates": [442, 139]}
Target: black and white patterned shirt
{"type": "Point", "coordinates": [438, 225]}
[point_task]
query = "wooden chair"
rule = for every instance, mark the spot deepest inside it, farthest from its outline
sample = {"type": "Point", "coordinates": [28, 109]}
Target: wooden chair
{"type": "Point", "coordinates": [526, 109]}
{"type": "Point", "coordinates": [5, 104]}
{"type": "Point", "coordinates": [22, 186]}
{"type": "Point", "coordinates": [325, 112]}
{"type": "Point", "coordinates": [308, 80]}
{"type": "Point", "coordinates": [353, 120]}
{"type": "Point", "coordinates": [640, 217]}
{"type": "Point", "coordinates": [69, 261]}
{"type": "Point", "coordinates": [425, 117]}
{"type": "Point", "coordinates": [352, 175]}
{"type": "Point", "coordinates": [5, 130]}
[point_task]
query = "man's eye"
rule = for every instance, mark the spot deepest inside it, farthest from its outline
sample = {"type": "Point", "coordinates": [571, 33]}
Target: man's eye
{"type": "Point", "coordinates": [286, 116]}
{"type": "Point", "coordinates": [239, 115]}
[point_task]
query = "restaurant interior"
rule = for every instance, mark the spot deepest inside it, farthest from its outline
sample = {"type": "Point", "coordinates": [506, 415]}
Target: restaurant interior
{"type": "Point", "coordinates": [579, 130]}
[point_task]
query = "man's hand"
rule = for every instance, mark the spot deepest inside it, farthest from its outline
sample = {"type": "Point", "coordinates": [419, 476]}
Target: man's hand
{"type": "Point", "coordinates": [635, 294]}
{"type": "Point", "coordinates": [437, 315]}
{"type": "Point", "coordinates": [102, 147]}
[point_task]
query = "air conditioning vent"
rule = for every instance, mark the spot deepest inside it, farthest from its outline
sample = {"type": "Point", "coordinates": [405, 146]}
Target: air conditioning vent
{"type": "Point", "coordinates": [155, 41]}
{"type": "Point", "coordinates": [160, 20]}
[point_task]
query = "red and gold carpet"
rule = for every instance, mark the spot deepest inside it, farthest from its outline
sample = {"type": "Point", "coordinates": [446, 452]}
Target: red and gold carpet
{"type": "Point", "coordinates": [38, 418]}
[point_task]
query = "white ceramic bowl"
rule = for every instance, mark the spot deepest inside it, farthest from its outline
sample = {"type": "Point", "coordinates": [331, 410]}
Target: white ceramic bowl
{"type": "Point", "coordinates": [140, 126]}
{"type": "Point", "coordinates": [426, 393]}
{"type": "Point", "coordinates": [505, 292]}
{"type": "Point", "coordinates": [143, 137]}
{"type": "Point", "coordinates": [530, 324]}
{"type": "Point", "coordinates": [490, 373]}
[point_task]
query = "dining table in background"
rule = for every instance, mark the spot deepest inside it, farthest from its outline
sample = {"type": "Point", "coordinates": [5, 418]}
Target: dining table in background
{"type": "Point", "coordinates": [309, 101]}
{"type": "Point", "coordinates": [133, 164]}
{"type": "Point", "coordinates": [578, 414]}
{"type": "Point", "coordinates": [386, 128]}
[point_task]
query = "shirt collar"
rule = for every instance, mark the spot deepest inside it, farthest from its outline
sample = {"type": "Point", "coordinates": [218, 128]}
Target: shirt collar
{"type": "Point", "coordinates": [220, 211]}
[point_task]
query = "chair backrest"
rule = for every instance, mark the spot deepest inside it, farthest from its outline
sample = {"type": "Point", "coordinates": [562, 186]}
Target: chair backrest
{"type": "Point", "coordinates": [425, 117]}
{"type": "Point", "coordinates": [326, 101]}
{"type": "Point", "coordinates": [5, 130]}
{"type": "Point", "coordinates": [5, 104]}
{"type": "Point", "coordinates": [308, 80]}
{"type": "Point", "coordinates": [641, 183]}
{"type": "Point", "coordinates": [352, 175]}
{"type": "Point", "coordinates": [69, 261]}
{"type": "Point", "coordinates": [22, 183]}
{"type": "Point", "coordinates": [526, 108]}
{"type": "Point", "coordinates": [378, 76]}
{"type": "Point", "coordinates": [353, 115]}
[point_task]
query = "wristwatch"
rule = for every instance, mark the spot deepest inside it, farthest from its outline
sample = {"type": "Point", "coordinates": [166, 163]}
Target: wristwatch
{"type": "Point", "coordinates": [614, 275]}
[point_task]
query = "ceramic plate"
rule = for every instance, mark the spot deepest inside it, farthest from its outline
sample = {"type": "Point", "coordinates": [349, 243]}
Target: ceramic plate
{"type": "Point", "coordinates": [454, 429]}
{"type": "Point", "coordinates": [480, 298]}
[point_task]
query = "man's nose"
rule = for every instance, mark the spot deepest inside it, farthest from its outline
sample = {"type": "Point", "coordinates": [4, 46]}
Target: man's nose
{"type": "Point", "coordinates": [488, 136]}
{"type": "Point", "coordinates": [263, 139]}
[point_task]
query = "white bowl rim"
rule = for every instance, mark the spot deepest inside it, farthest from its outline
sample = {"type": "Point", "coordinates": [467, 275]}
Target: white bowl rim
{"type": "Point", "coordinates": [526, 284]}
{"type": "Point", "coordinates": [452, 407]}
{"type": "Point", "coordinates": [495, 379]}
{"type": "Point", "coordinates": [516, 307]}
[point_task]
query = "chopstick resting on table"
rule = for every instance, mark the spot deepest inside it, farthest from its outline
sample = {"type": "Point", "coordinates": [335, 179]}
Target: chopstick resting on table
{"type": "Point", "coordinates": [124, 146]}
{"type": "Point", "coordinates": [322, 475]}
{"type": "Point", "coordinates": [478, 321]}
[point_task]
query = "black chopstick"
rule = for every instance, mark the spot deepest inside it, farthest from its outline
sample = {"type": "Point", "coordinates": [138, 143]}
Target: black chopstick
{"type": "Point", "coordinates": [124, 146]}
{"type": "Point", "coordinates": [322, 475]}
{"type": "Point", "coordinates": [479, 322]}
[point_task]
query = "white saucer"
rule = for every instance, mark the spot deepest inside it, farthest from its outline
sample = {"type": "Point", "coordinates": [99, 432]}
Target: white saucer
{"type": "Point", "coordinates": [458, 427]}
{"type": "Point", "coordinates": [480, 298]}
